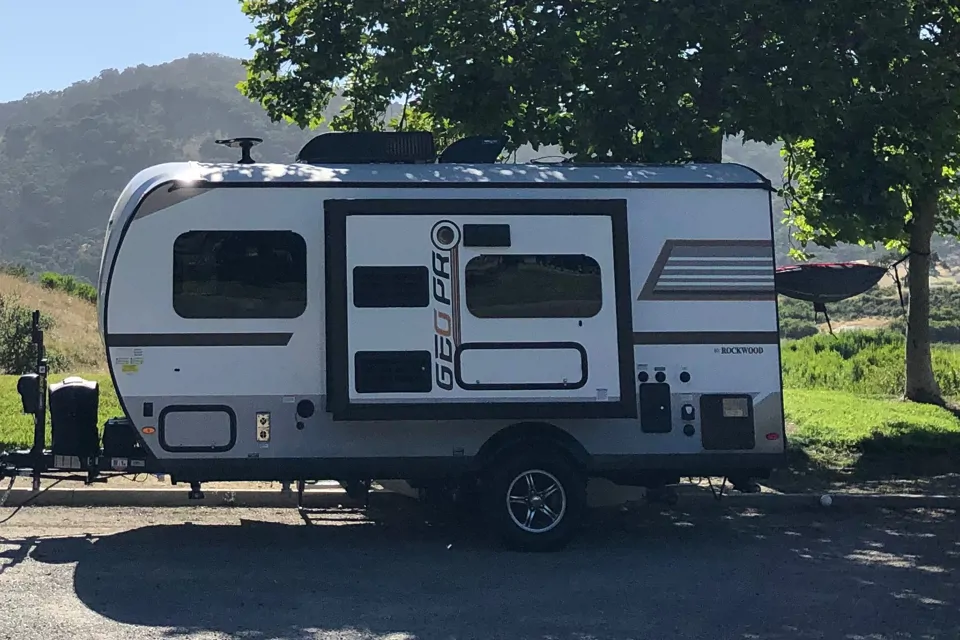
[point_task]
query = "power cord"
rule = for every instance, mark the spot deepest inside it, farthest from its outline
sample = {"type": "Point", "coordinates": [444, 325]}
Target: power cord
{"type": "Point", "coordinates": [26, 502]}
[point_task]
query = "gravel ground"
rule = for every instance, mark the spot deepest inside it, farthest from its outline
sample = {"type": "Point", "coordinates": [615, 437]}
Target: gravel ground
{"type": "Point", "coordinates": [256, 574]}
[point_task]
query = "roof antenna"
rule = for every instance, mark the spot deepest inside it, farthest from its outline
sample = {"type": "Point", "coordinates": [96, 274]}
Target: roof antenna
{"type": "Point", "coordinates": [245, 145]}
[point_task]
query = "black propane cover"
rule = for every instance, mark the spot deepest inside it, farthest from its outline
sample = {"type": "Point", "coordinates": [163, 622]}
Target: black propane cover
{"type": "Point", "coordinates": [74, 407]}
{"type": "Point", "coordinates": [120, 438]}
{"type": "Point", "coordinates": [28, 386]}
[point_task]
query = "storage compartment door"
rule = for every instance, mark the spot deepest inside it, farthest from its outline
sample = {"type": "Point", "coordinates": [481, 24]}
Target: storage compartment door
{"type": "Point", "coordinates": [474, 309]}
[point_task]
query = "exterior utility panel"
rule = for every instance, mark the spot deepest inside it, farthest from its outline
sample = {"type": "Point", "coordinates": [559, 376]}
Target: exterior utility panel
{"type": "Point", "coordinates": [396, 321]}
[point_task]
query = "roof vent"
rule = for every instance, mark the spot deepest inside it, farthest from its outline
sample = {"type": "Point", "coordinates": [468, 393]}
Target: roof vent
{"type": "Point", "coordinates": [474, 150]}
{"type": "Point", "coordinates": [245, 144]}
{"type": "Point", "coordinates": [367, 147]}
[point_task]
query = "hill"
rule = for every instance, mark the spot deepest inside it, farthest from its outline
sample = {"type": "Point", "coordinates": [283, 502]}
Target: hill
{"type": "Point", "coordinates": [73, 340]}
{"type": "Point", "coordinates": [65, 155]}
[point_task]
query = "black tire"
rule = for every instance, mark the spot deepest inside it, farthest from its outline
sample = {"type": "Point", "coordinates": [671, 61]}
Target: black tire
{"type": "Point", "coordinates": [550, 528]}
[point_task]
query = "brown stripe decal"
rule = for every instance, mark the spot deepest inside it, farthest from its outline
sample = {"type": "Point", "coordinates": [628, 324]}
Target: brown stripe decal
{"type": "Point", "coordinates": [706, 337]}
{"type": "Point", "coordinates": [712, 270]}
{"type": "Point", "coordinates": [455, 293]}
{"type": "Point", "coordinates": [198, 339]}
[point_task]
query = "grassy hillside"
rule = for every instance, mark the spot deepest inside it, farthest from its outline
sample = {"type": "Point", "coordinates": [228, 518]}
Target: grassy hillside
{"type": "Point", "coordinates": [74, 338]}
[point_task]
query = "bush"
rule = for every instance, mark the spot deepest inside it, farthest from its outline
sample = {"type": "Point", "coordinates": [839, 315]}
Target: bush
{"type": "Point", "coordinates": [15, 270]}
{"type": "Point", "coordinates": [862, 362]}
{"type": "Point", "coordinates": [68, 284]}
{"type": "Point", "coordinates": [18, 355]}
{"type": "Point", "coordinates": [794, 329]}
{"type": "Point", "coordinates": [940, 330]}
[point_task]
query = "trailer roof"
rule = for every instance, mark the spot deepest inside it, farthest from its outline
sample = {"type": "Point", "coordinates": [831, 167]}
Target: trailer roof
{"type": "Point", "coordinates": [701, 174]}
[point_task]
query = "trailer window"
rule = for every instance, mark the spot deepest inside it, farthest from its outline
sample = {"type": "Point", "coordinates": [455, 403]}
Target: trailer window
{"type": "Point", "coordinates": [239, 274]}
{"type": "Point", "coordinates": [533, 286]}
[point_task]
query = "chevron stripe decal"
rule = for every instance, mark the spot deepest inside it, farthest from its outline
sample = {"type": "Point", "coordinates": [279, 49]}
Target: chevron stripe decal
{"type": "Point", "coordinates": [712, 270]}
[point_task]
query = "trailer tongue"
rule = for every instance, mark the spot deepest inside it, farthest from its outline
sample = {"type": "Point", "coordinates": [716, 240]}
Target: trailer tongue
{"type": "Point", "coordinates": [75, 439]}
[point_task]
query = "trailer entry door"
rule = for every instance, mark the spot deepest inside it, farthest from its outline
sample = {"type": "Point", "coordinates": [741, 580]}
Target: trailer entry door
{"type": "Point", "coordinates": [473, 309]}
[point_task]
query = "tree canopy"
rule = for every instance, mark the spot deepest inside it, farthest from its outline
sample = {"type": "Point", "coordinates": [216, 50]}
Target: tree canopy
{"type": "Point", "coordinates": [622, 80]}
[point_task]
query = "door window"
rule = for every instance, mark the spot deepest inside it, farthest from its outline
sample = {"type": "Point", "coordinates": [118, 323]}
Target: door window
{"type": "Point", "coordinates": [533, 286]}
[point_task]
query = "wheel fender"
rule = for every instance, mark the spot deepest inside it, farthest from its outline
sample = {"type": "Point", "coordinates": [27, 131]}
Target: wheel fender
{"type": "Point", "coordinates": [531, 434]}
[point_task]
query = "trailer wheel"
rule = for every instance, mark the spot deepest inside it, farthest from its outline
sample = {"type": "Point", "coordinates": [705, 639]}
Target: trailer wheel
{"type": "Point", "coordinates": [535, 500]}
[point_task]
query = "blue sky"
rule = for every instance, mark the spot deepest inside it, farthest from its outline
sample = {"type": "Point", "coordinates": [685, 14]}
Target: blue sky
{"type": "Point", "coordinates": [49, 44]}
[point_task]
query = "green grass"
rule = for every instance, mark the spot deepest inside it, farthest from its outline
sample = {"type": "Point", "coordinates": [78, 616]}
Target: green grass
{"type": "Point", "coordinates": [844, 424]}
{"type": "Point", "coordinates": [16, 429]}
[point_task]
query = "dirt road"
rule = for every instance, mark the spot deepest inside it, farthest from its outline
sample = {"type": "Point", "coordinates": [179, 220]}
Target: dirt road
{"type": "Point", "coordinates": [225, 573]}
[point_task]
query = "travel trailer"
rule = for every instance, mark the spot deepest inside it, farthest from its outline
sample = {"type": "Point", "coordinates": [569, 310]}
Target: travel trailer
{"type": "Point", "coordinates": [372, 311]}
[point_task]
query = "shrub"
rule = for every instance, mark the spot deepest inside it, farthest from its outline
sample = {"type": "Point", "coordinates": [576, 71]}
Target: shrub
{"type": "Point", "coordinates": [863, 362]}
{"type": "Point", "coordinates": [68, 284]}
{"type": "Point", "coordinates": [794, 329]}
{"type": "Point", "coordinates": [18, 355]}
{"type": "Point", "coordinates": [15, 270]}
{"type": "Point", "coordinates": [940, 330]}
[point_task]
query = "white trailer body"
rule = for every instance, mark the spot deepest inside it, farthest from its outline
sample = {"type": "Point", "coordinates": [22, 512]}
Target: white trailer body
{"type": "Point", "coordinates": [280, 322]}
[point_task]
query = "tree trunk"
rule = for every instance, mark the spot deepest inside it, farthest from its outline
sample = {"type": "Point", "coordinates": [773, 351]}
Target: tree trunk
{"type": "Point", "coordinates": [921, 384]}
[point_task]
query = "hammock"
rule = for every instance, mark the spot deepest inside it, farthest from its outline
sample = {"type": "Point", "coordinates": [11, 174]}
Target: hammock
{"type": "Point", "coordinates": [825, 282]}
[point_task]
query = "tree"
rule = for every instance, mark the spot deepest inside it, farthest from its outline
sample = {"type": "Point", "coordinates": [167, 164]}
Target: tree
{"type": "Point", "coordinates": [611, 80]}
{"type": "Point", "coordinates": [870, 114]}
{"type": "Point", "coordinates": [864, 95]}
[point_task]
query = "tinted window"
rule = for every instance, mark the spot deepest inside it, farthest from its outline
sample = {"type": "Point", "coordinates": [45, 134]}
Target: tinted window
{"type": "Point", "coordinates": [239, 274]}
{"type": "Point", "coordinates": [382, 287]}
{"type": "Point", "coordinates": [535, 286]}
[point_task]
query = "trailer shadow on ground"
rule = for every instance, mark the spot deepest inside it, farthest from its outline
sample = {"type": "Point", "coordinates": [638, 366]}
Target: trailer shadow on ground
{"type": "Point", "coordinates": [719, 572]}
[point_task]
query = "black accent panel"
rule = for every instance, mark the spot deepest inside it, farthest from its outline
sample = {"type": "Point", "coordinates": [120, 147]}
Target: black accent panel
{"type": "Point", "coordinates": [655, 413]}
{"type": "Point", "coordinates": [193, 408]}
{"type": "Point", "coordinates": [391, 287]}
{"type": "Point", "coordinates": [520, 386]}
{"type": "Point", "coordinates": [393, 371]}
{"type": "Point", "coordinates": [707, 337]}
{"type": "Point", "coordinates": [486, 235]}
{"type": "Point", "coordinates": [198, 339]}
{"type": "Point", "coordinates": [147, 409]}
{"type": "Point", "coordinates": [726, 422]}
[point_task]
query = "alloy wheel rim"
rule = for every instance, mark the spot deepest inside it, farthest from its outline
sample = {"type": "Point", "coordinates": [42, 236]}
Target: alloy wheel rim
{"type": "Point", "coordinates": [536, 501]}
